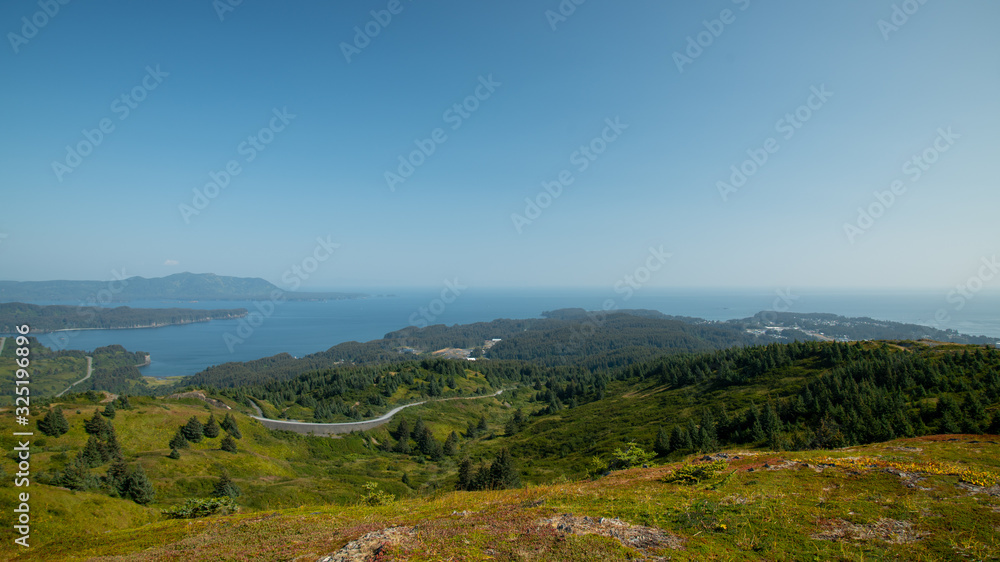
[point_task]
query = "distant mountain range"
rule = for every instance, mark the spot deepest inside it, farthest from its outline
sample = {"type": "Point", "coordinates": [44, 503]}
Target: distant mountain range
{"type": "Point", "coordinates": [179, 287]}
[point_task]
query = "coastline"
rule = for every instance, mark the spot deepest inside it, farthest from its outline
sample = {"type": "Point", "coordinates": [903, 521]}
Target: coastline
{"type": "Point", "coordinates": [34, 331]}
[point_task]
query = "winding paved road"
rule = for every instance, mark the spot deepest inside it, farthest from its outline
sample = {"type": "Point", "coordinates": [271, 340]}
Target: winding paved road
{"type": "Point", "coordinates": [2, 341]}
{"type": "Point", "coordinates": [345, 427]}
{"type": "Point", "coordinates": [90, 369]}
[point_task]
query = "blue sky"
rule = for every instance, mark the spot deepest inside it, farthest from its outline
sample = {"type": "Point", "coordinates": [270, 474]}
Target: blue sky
{"type": "Point", "coordinates": [926, 87]}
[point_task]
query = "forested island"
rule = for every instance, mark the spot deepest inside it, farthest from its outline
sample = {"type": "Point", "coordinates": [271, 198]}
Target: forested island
{"type": "Point", "coordinates": [180, 286]}
{"type": "Point", "coordinates": [59, 317]}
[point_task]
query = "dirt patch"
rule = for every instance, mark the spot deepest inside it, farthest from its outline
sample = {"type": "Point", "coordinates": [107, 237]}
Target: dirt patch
{"type": "Point", "coordinates": [909, 479]}
{"type": "Point", "coordinates": [973, 489]}
{"type": "Point", "coordinates": [906, 449]}
{"type": "Point", "coordinates": [886, 530]}
{"type": "Point", "coordinates": [964, 437]}
{"type": "Point", "coordinates": [643, 539]}
{"type": "Point", "coordinates": [772, 463]}
{"type": "Point", "coordinates": [370, 546]}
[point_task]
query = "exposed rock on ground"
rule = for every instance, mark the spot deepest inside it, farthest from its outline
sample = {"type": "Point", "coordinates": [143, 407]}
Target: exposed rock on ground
{"type": "Point", "coordinates": [885, 530]}
{"type": "Point", "coordinates": [370, 546]}
{"type": "Point", "coordinates": [643, 539]}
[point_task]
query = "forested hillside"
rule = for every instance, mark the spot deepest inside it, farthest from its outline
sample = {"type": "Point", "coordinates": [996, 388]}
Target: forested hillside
{"type": "Point", "coordinates": [841, 327]}
{"type": "Point", "coordinates": [557, 424]}
{"type": "Point", "coordinates": [179, 286]}
{"type": "Point", "coordinates": [594, 341]}
{"type": "Point", "coordinates": [114, 369]}
{"type": "Point", "coordinates": [598, 342]}
{"type": "Point", "coordinates": [57, 317]}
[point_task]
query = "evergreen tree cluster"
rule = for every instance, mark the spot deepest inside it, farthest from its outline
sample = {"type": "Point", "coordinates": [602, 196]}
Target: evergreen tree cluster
{"type": "Point", "coordinates": [102, 447]}
{"type": "Point", "coordinates": [194, 432]}
{"type": "Point", "coordinates": [500, 474]}
{"type": "Point", "coordinates": [865, 394]}
{"type": "Point", "coordinates": [424, 442]}
{"type": "Point", "coordinates": [54, 423]}
{"type": "Point", "coordinates": [353, 392]}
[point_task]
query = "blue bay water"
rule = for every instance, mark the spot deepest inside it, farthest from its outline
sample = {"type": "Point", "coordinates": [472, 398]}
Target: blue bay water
{"type": "Point", "coordinates": [301, 328]}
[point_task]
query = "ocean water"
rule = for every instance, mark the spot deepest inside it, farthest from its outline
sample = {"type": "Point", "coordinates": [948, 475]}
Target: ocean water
{"type": "Point", "coordinates": [301, 328]}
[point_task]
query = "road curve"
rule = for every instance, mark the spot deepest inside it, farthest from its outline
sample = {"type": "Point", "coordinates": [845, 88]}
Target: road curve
{"type": "Point", "coordinates": [346, 427]}
{"type": "Point", "coordinates": [90, 369]}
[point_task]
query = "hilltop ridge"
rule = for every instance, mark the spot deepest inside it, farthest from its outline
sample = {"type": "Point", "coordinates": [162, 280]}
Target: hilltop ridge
{"type": "Point", "coordinates": [179, 286]}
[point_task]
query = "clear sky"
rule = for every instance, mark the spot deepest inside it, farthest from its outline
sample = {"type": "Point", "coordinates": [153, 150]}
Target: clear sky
{"type": "Point", "coordinates": [662, 120]}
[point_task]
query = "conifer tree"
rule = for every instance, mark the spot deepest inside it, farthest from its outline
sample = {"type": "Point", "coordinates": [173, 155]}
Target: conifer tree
{"type": "Point", "coordinates": [109, 411]}
{"type": "Point", "coordinates": [402, 430]}
{"type": "Point", "coordinates": [420, 435]}
{"type": "Point", "coordinates": [193, 430]}
{"type": "Point", "coordinates": [90, 455]}
{"type": "Point", "coordinates": [662, 443]}
{"type": "Point", "coordinates": [678, 439]}
{"type": "Point", "coordinates": [225, 487]}
{"type": "Point", "coordinates": [228, 444]}
{"type": "Point", "coordinates": [174, 454]}
{"type": "Point", "coordinates": [61, 425]}
{"type": "Point", "coordinates": [54, 423]}
{"type": "Point", "coordinates": [403, 446]}
{"type": "Point", "coordinates": [229, 424]}
{"type": "Point", "coordinates": [211, 429]}
{"type": "Point", "coordinates": [430, 446]}
{"type": "Point", "coordinates": [503, 474]}
{"type": "Point", "coordinates": [451, 445]}
{"type": "Point", "coordinates": [116, 477]}
{"type": "Point", "coordinates": [138, 488]}
{"type": "Point", "coordinates": [510, 428]}
{"type": "Point", "coordinates": [464, 474]}
{"type": "Point", "coordinates": [179, 441]}
{"type": "Point", "coordinates": [111, 445]}
{"type": "Point", "coordinates": [96, 425]}
{"type": "Point", "coordinates": [75, 476]}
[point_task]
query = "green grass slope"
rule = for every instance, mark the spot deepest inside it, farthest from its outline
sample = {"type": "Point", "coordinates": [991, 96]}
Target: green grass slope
{"type": "Point", "coordinates": [907, 499]}
{"type": "Point", "coordinates": [273, 469]}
